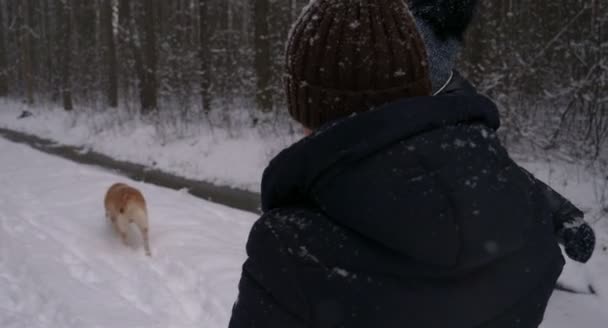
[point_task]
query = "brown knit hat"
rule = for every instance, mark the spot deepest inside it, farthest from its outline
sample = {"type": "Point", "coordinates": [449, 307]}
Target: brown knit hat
{"type": "Point", "coordinates": [346, 56]}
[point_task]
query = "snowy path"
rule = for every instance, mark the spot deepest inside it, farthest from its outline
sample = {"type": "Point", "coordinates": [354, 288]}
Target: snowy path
{"type": "Point", "coordinates": [61, 265]}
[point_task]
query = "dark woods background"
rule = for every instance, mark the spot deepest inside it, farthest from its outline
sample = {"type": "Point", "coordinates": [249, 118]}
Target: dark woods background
{"type": "Point", "coordinates": [544, 62]}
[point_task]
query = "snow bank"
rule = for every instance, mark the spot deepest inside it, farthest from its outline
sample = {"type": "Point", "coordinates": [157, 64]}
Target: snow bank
{"type": "Point", "coordinates": [235, 158]}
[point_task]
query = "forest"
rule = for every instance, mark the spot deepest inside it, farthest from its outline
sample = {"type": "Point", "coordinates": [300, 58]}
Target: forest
{"type": "Point", "coordinates": [544, 62]}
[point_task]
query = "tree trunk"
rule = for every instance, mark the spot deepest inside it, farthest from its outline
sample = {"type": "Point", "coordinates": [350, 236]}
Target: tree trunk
{"type": "Point", "coordinates": [132, 52]}
{"type": "Point", "coordinates": [205, 55]}
{"type": "Point", "coordinates": [125, 53]}
{"type": "Point", "coordinates": [26, 42]}
{"type": "Point", "coordinates": [109, 50]}
{"type": "Point", "coordinates": [66, 46]}
{"type": "Point", "coordinates": [3, 64]}
{"type": "Point", "coordinates": [149, 84]}
{"type": "Point", "coordinates": [86, 59]}
{"type": "Point", "coordinates": [51, 75]}
{"type": "Point", "coordinates": [263, 62]}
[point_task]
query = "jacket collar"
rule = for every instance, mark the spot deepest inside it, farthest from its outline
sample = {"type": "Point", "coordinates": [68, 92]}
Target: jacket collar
{"type": "Point", "coordinates": [458, 85]}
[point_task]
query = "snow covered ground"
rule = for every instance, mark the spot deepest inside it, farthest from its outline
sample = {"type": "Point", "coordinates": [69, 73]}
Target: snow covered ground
{"type": "Point", "coordinates": [197, 151]}
{"type": "Point", "coordinates": [61, 266]}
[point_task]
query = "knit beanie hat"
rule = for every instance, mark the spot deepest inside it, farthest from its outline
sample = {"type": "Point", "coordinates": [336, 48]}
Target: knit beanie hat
{"type": "Point", "coordinates": [347, 56]}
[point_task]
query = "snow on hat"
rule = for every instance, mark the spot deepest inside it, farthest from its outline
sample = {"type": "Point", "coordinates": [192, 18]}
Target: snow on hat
{"type": "Point", "coordinates": [346, 56]}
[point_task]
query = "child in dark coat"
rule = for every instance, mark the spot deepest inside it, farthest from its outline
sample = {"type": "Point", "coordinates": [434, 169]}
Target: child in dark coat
{"type": "Point", "coordinates": [401, 209]}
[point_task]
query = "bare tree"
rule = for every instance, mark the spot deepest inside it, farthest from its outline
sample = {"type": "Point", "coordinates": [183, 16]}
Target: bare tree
{"type": "Point", "coordinates": [149, 83]}
{"type": "Point", "coordinates": [204, 54]}
{"type": "Point", "coordinates": [263, 62]}
{"type": "Point", "coordinates": [109, 49]}
{"type": "Point", "coordinates": [3, 63]}
{"type": "Point", "coordinates": [26, 54]}
{"type": "Point", "coordinates": [64, 9]}
{"type": "Point", "coordinates": [46, 15]}
{"type": "Point", "coordinates": [126, 48]}
{"type": "Point", "coordinates": [544, 63]}
{"type": "Point", "coordinates": [132, 50]}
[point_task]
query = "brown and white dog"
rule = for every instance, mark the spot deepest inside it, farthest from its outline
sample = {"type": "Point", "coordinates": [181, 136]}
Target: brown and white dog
{"type": "Point", "coordinates": [125, 205]}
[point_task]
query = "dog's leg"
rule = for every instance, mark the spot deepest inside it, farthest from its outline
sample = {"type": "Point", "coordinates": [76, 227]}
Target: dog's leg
{"type": "Point", "coordinates": [144, 233]}
{"type": "Point", "coordinates": [123, 228]}
{"type": "Point", "coordinates": [114, 224]}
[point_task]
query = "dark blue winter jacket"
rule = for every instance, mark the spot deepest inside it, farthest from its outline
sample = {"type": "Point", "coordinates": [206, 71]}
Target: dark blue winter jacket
{"type": "Point", "coordinates": [409, 215]}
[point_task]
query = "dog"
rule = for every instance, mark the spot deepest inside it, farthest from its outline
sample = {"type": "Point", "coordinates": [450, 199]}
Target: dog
{"type": "Point", "coordinates": [125, 205]}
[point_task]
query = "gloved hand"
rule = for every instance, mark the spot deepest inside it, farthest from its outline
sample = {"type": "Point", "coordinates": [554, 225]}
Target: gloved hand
{"type": "Point", "coordinates": [572, 231]}
{"type": "Point", "coordinates": [578, 239]}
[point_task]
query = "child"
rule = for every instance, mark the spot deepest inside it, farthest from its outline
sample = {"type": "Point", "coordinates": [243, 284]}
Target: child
{"type": "Point", "coordinates": [401, 209]}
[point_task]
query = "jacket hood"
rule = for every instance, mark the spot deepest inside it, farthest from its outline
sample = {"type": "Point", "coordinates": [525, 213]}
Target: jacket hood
{"type": "Point", "coordinates": [382, 174]}
{"type": "Point", "coordinates": [290, 176]}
